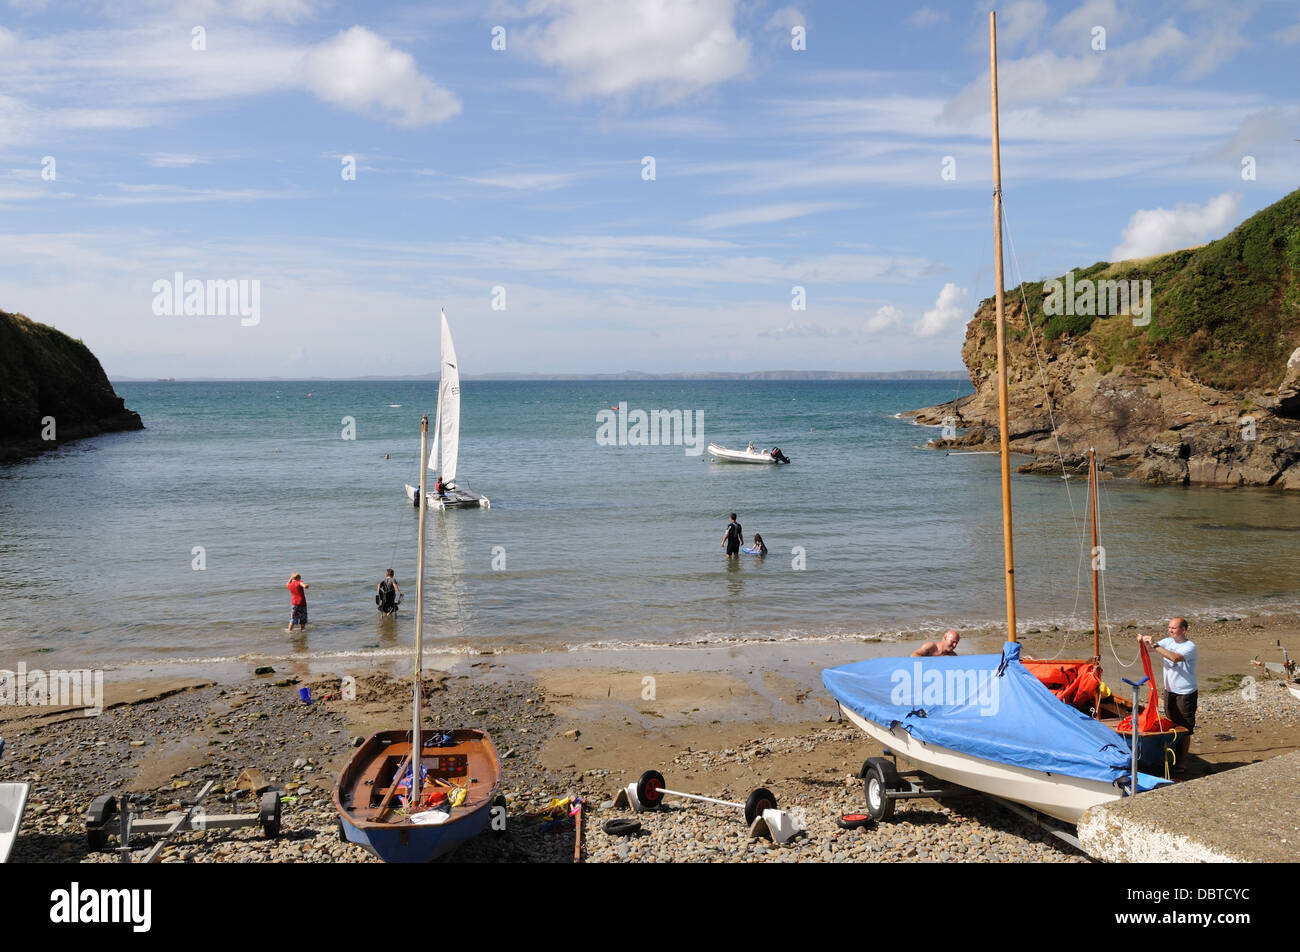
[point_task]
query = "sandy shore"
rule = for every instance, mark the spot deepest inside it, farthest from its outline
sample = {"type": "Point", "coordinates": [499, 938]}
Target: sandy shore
{"type": "Point", "coordinates": [718, 721]}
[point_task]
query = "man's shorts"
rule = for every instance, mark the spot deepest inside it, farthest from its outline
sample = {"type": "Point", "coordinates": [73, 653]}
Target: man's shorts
{"type": "Point", "coordinates": [299, 616]}
{"type": "Point", "coordinates": [1181, 709]}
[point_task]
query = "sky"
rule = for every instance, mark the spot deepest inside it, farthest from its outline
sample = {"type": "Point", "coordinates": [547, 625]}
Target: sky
{"type": "Point", "coordinates": [592, 186]}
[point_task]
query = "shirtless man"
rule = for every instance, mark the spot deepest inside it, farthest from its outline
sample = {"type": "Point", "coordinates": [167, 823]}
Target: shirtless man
{"type": "Point", "coordinates": [945, 646]}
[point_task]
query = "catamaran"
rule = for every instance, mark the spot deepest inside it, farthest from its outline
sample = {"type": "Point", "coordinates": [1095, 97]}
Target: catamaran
{"type": "Point", "coordinates": [988, 722]}
{"type": "Point", "coordinates": [447, 435]}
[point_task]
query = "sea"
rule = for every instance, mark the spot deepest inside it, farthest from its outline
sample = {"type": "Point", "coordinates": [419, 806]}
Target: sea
{"type": "Point", "coordinates": [173, 544]}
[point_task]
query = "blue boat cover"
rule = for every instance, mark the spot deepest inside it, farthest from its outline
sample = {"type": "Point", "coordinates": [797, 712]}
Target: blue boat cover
{"type": "Point", "coordinates": [988, 706]}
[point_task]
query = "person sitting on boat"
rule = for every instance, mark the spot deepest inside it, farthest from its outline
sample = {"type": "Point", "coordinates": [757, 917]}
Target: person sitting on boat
{"type": "Point", "coordinates": [440, 488]}
{"type": "Point", "coordinates": [758, 548]}
{"type": "Point", "coordinates": [1181, 694]}
{"type": "Point", "coordinates": [750, 448]}
{"type": "Point", "coordinates": [947, 645]}
{"type": "Point", "coordinates": [388, 595]}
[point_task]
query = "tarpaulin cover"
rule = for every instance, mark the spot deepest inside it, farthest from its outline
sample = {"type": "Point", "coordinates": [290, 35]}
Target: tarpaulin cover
{"type": "Point", "coordinates": [988, 706]}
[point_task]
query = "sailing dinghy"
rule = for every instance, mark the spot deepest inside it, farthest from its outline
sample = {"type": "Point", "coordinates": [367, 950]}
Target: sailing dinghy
{"type": "Point", "coordinates": [13, 802]}
{"type": "Point", "coordinates": [720, 454]}
{"type": "Point", "coordinates": [447, 435]}
{"type": "Point", "coordinates": [988, 722]}
{"type": "Point", "coordinates": [413, 814]}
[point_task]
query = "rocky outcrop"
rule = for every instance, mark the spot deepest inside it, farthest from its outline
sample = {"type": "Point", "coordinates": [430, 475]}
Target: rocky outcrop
{"type": "Point", "coordinates": [52, 390]}
{"type": "Point", "coordinates": [1206, 391]}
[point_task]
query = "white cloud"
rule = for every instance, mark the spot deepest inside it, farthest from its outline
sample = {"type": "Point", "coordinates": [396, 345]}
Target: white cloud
{"type": "Point", "coordinates": [1158, 230]}
{"type": "Point", "coordinates": [362, 72]}
{"type": "Point", "coordinates": [523, 181]}
{"type": "Point", "coordinates": [174, 160]}
{"type": "Point", "coordinates": [669, 50]}
{"type": "Point", "coordinates": [884, 319]}
{"type": "Point", "coordinates": [924, 16]}
{"type": "Point", "coordinates": [1290, 35]}
{"type": "Point", "coordinates": [947, 311]}
{"type": "Point", "coordinates": [764, 214]}
{"type": "Point", "coordinates": [786, 19]}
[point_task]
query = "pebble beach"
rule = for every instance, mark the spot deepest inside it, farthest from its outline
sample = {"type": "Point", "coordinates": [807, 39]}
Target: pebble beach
{"type": "Point", "coordinates": [161, 742]}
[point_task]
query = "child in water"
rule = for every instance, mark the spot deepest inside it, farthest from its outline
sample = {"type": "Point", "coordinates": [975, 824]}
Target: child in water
{"type": "Point", "coordinates": [758, 548]}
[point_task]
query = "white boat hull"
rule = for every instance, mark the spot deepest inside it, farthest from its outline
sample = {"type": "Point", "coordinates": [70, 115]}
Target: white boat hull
{"type": "Point", "coordinates": [1064, 798]}
{"type": "Point", "coordinates": [13, 802]}
{"type": "Point", "coordinates": [721, 454]}
{"type": "Point", "coordinates": [454, 499]}
{"type": "Point", "coordinates": [1294, 688]}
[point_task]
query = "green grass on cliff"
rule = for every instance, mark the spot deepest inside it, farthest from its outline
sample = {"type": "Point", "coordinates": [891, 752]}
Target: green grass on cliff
{"type": "Point", "coordinates": [1227, 313]}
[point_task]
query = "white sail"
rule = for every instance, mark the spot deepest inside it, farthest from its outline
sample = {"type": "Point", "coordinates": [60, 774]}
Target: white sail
{"type": "Point", "coordinates": [449, 405]}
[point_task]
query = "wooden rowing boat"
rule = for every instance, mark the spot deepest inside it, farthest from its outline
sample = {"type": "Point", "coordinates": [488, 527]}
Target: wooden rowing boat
{"type": "Point", "coordinates": [365, 796]}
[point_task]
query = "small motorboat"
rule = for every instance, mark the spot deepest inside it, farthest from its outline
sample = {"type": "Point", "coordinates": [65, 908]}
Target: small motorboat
{"type": "Point", "coordinates": [720, 454]}
{"type": "Point", "coordinates": [13, 802]}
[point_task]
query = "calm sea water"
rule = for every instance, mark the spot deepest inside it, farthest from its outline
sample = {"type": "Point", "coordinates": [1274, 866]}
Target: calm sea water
{"type": "Point", "coordinates": [602, 545]}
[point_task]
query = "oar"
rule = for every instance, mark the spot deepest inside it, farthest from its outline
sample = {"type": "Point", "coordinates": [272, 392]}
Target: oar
{"type": "Point", "coordinates": [383, 804]}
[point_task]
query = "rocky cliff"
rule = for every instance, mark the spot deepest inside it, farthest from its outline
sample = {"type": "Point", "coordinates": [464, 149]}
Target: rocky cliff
{"type": "Point", "coordinates": [52, 390]}
{"type": "Point", "coordinates": [1181, 369]}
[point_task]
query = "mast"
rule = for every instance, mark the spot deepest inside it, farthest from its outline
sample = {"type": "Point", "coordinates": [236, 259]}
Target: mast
{"type": "Point", "coordinates": [1092, 504]}
{"type": "Point", "coordinates": [1003, 440]}
{"type": "Point", "coordinates": [417, 748]}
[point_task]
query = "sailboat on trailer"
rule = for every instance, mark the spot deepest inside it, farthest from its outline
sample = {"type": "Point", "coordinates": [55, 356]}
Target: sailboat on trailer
{"type": "Point", "coordinates": [446, 434]}
{"type": "Point", "coordinates": [405, 812]}
{"type": "Point", "coordinates": [987, 722]}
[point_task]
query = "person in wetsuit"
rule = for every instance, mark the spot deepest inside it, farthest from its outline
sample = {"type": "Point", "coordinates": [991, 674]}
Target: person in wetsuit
{"type": "Point", "coordinates": [732, 538]}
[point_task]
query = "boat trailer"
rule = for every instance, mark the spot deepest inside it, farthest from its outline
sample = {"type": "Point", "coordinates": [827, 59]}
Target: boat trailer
{"type": "Point", "coordinates": [125, 816]}
{"type": "Point", "coordinates": [883, 784]}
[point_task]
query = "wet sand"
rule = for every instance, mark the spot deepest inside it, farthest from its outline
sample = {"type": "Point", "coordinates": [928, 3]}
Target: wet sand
{"type": "Point", "coordinates": [715, 720]}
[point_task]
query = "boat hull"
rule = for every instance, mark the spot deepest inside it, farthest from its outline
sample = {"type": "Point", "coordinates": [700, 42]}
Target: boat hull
{"type": "Point", "coordinates": [470, 761]}
{"type": "Point", "coordinates": [721, 454]}
{"type": "Point", "coordinates": [1061, 797]}
{"type": "Point", "coordinates": [13, 803]}
{"type": "Point", "coordinates": [454, 499]}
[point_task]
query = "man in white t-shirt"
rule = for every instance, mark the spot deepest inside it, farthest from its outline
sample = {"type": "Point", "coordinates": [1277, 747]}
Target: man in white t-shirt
{"type": "Point", "coordinates": [1179, 655]}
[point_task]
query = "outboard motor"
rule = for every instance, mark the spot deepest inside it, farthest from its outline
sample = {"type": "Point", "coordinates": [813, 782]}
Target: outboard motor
{"type": "Point", "coordinates": [779, 456]}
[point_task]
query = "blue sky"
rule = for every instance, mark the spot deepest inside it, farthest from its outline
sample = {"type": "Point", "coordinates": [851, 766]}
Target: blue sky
{"type": "Point", "coordinates": [523, 168]}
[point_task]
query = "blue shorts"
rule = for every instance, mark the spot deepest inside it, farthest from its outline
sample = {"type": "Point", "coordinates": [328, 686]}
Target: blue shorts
{"type": "Point", "coordinates": [299, 616]}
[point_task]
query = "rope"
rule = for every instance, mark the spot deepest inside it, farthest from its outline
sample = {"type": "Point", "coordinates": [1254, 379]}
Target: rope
{"type": "Point", "coordinates": [1051, 416]}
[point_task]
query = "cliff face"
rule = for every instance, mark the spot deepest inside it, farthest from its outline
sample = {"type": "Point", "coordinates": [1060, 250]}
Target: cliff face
{"type": "Point", "coordinates": [45, 373]}
{"type": "Point", "coordinates": [1195, 381]}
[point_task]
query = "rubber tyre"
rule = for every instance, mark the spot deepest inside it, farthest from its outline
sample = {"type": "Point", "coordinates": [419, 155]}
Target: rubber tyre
{"type": "Point", "coordinates": [875, 787]}
{"type": "Point", "coordinates": [622, 826]}
{"type": "Point", "coordinates": [759, 800]}
{"type": "Point", "coordinates": [648, 790]}
{"type": "Point", "coordinates": [268, 817]}
{"type": "Point", "coordinates": [102, 810]}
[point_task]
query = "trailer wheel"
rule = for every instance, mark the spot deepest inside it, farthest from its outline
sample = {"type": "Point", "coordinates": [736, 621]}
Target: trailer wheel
{"type": "Point", "coordinates": [758, 801]}
{"type": "Point", "coordinates": [648, 789]}
{"type": "Point", "coordinates": [878, 778]}
{"type": "Point", "coordinates": [100, 813]}
{"type": "Point", "coordinates": [268, 818]}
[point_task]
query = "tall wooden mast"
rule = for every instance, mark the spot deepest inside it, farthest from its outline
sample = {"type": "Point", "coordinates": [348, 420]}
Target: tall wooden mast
{"type": "Point", "coordinates": [1092, 504]}
{"type": "Point", "coordinates": [417, 749]}
{"type": "Point", "coordinates": [1003, 436]}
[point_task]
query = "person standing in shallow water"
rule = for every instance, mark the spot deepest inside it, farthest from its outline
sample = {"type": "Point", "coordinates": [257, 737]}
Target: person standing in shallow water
{"type": "Point", "coordinates": [297, 601]}
{"type": "Point", "coordinates": [733, 537]}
